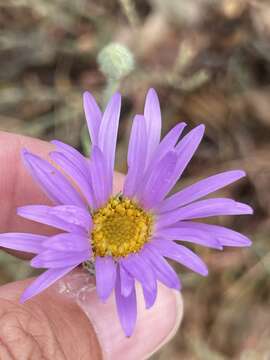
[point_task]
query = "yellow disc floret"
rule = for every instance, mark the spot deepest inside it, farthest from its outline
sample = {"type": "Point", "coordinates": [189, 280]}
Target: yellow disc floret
{"type": "Point", "coordinates": [120, 228]}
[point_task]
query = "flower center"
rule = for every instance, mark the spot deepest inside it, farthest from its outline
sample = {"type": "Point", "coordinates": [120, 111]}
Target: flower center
{"type": "Point", "coordinates": [120, 228]}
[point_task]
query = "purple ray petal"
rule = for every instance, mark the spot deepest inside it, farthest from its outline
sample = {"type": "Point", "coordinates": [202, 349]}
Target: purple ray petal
{"type": "Point", "coordinates": [137, 139]}
{"type": "Point", "coordinates": [102, 187]}
{"type": "Point", "coordinates": [167, 144]}
{"type": "Point", "coordinates": [149, 296]}
{"type": "Point", "coordinates": [73, 170]}
{"type": "Point", "coordinates": [44, 281]}
{"type": "Point", "coordinates": [93, 116]}
{"type": "Point", "coordinates": [180, 254]}
{"type": "Point", "coordinates": [185, 150]}
{"type": "Point", "coordinates": [68, 243]}
{"type": "Point", "coordinates": [108, 132]}
{"type": "Point", "coordinates": [223, 235]}
{"type": "Point", "coordinates": [184, 231]}
{"type": "Point", "coordinates": [65, 217]}
{"type": "Point", "coordinates": [200, 189]}
{"type": "Point", "coordinates": [105, 276]}
{"type": "Point", "coordinates": [159, 181]}
{"type": "Point", "coordinates": [74, 156]}
{"type": "Point", "coordinates": [55, 185]}
{"type": "Point", "coordinates": [202, 209]}
{"type": "Point", "coordinates": [127, 282]}
{"type": "Point", "coordinates": [169, 141]}
{"type": "Point", "coordinates": [23, 242]}
{"type": "Point", "coordinates": [136, 155]}
{"type": "Point", "coordinates": [153, 122]}
{"type": "Point", "coordinates": [163, 271]}
{"type": "Point", "coordinates": [126, 308]}
{"type": "Point", "coordinates": [140, 270]}
{"type": "Point", "coordinates": [59, 259]}
{"type": "Point", "coordinates": [191, 140]}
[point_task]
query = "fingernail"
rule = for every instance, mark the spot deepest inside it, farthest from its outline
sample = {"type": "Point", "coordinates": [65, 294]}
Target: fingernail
{"type": "Point", "coordinates": [154, 327]}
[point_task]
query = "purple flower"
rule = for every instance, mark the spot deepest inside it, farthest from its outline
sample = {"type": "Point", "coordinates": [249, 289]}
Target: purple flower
{"type": "Point", "coordinates": [126, 236]}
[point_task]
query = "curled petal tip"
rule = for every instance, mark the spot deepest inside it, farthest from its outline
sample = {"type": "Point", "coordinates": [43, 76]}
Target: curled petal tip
{"type": "Point", "coordinates": [86, 93]}
{"type": "Point", "coordinates": [18, 210]}
{"type": "Point", "coordinates": [245, 242]}
{"type": "Point", "coordinates": [248, 243]}
{"type": "Point", "coordinates": [87, 96]}
{"type": "Point", "coordinates": [177, 286]}
{"type": "Point", "coordinates": [204, 272]}
{"type": "Point", "coordinates": [116, 96]}
{"type": "Point", "coordinates": [151, 91]}
{"type": "Point", "coordinates": [201, 127]}
{"type": "Point", "coordinates": [22, 300]}
{"type": "Point", "coordinates": [24, 297]}
{"type": "Point", "coordinates": [54, 142]}
{"type": "Point", "coordinates": [246, 209]}
{"type": "Point", "coordinates": [242, 173]}
{"type": "Point", "coordinates": [24, 152]}
{"type": "Point", "coordinates": [238, 174]}
{"type": "Point", "coordinates": [115, 101]}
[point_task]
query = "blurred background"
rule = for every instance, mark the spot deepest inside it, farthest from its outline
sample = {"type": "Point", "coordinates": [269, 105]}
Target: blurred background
{"type": "Point", "coordinates": [209, 60]}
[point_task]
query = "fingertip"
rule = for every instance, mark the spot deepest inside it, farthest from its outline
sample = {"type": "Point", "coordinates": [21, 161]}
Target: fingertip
{"type": "Point", "coordinates": [157, 324]}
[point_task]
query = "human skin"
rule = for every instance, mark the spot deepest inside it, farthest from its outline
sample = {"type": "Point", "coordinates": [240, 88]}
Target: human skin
{"type": "Point", "coordinates": [54, 324]}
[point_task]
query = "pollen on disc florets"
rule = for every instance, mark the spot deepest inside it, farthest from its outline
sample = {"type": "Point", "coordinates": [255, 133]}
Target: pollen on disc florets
{"type": "Point", "coordinates": [120, 228]}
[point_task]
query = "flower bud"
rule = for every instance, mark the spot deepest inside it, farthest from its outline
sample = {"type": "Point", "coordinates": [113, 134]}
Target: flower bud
{"type": "Point", "coordinates": [115, 61]}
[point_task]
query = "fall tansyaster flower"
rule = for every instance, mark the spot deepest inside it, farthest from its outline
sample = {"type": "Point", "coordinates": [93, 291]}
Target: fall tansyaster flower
{"type": "Point", "coordinates": [124, 237]}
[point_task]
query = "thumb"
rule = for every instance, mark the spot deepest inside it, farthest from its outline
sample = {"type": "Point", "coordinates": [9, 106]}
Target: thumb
{"type": "Point", "coordinates": [67, 321]}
